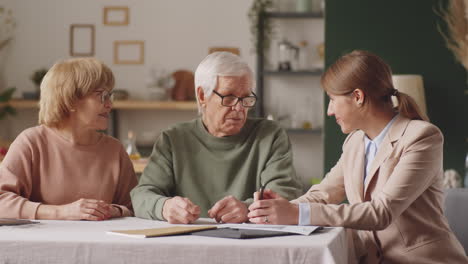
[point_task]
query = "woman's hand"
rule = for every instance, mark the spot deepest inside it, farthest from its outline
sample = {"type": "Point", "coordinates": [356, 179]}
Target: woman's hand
{"type": "Point", "coordinates": [267, 194]}
{"type": "Point", "coordinates": [273, 209]}
{"type": "Point", "coordinates": [86, 209]}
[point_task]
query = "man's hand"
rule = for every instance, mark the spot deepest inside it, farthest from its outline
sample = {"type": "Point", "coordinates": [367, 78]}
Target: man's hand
{"type": "Point", "coordinates": [229, 210]}
{"type": "Point", "coordinates": [180, 210]}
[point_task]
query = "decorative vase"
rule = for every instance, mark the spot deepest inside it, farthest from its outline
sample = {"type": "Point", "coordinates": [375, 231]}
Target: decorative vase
{"type": "Point", "coordinates": [303, 6]}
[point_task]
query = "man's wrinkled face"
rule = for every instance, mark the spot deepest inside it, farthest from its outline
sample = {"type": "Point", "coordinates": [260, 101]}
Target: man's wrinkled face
{"type": "Point", "coordinates": [226, 120]}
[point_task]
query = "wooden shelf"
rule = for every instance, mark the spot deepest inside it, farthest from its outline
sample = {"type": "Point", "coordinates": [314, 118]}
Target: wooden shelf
{"type": "Point", "coordinates": [22, 104]}
{"type": "Point", "coordinates": [163, 105]}
{"type": "Point", "coordinates": [304, 131]}
{"type": "Point", "coordinates": [119, 104]}
{"type": "Point", "coordinates": [293, 15]}
{"type": "Point", "coordinates": [294, 73]}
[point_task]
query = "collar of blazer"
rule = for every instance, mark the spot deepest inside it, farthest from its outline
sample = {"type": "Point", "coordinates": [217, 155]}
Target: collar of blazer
{"type": "Point", "coordinates": [357, 145]}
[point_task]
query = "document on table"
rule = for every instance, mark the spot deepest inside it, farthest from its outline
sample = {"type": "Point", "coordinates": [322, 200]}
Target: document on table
{"type": "Point", "coordinates": [301, 230]}
{"type": "Point", "coordinates": [161, 231]}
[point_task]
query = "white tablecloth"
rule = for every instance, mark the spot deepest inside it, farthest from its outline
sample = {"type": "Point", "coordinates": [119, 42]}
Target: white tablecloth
{"type": "Point", "coordinates": [87, 242]}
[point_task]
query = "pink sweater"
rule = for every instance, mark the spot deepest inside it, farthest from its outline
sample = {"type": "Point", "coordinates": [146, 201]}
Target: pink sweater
{"type": "Point", "coordinates": [42, 167]}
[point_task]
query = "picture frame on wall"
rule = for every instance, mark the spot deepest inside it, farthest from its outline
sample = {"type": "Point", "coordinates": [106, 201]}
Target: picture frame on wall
{"type": "Point", "coordinates": [82, 40]}
{"type": "Point", "coordinates": [129, 52]}
{"type": "Point", "coordinates": [116, 16]}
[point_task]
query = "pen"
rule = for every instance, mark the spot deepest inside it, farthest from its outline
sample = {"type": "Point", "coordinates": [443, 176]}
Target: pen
{"type": "Point", "coordinates": [262, 188]}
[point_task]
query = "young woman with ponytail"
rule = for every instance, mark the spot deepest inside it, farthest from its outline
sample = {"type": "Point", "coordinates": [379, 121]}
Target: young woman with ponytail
{"type": "Point", "coordinates": [390, 172]}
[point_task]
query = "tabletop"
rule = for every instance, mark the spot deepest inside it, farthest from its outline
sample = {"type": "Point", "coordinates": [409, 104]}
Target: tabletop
{"type": "Point", "coordinates": [53, 241]}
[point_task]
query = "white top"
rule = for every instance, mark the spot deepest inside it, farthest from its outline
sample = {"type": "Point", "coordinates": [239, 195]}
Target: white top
{"type": "Point", "coordinates": [372, 146]}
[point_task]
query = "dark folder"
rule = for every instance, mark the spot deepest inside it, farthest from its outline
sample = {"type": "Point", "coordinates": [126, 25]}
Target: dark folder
{"type": "Point", "coordinates": [10, 222]}
{"type": "Point", "coordinates": [240, 233]}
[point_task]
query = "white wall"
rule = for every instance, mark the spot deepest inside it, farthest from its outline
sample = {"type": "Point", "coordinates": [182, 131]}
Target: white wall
{"type": "Point", "coordinates": [177, 35]}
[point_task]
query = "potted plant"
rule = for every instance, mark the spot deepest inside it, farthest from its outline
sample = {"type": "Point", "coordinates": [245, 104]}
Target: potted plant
{"type": "Point", "coordinates": [7, 26]}
{"type": "Point", "coordinates": [5, 110]}
{"type": "Point", "coordinates": [36, 78]}
{"type": "Point", "coordinates": [5, 96]}
{"type": "Point", "coordinates": [258, 7]}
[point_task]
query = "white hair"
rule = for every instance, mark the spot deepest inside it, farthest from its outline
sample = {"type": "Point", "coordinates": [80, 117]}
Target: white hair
{"type": "Point", "coordinates": [219, 64]}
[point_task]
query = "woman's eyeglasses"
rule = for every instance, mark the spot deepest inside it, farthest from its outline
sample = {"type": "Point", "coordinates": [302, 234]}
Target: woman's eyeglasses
{"type": "Point", "coordinates": [106, 95]}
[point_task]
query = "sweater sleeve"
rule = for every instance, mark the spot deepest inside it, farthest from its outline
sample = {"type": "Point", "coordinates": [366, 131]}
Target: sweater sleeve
{"type": "Point", "coordinates": [127, 181]}
{"type": "Point", "coordinates": [16, 180]}
{"type": "Point", "coordinates": [279, 172]}
{"type": "Point", "coordinates": [156, 183]}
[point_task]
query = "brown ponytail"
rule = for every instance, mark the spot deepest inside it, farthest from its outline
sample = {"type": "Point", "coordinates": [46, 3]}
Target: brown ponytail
{"type": "Point", "coordinates": [408, 108]}
{"type": "Point", "coordinates": [368, 72]}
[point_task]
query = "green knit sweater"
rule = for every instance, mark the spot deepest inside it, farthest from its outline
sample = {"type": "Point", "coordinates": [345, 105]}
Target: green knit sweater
{"type": "Point", "coordinates": [187, 161]}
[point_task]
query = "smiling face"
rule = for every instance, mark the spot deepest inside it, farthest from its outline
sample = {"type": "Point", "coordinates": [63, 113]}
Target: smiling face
{"type": "Point", "coordinates": [345, 110]}
{"type": "Point", "coordinates": [90, 113]}
{"type": "Point", "coordinates": [222, 120]}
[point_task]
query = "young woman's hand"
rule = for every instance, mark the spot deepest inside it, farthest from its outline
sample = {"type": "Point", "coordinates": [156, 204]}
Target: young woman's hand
{"type": "Point", "coordinates": [273, 209]}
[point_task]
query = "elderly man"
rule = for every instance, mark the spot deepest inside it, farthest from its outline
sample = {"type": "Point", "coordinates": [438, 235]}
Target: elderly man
{"type": "Point", "coordinates": [211, 166]}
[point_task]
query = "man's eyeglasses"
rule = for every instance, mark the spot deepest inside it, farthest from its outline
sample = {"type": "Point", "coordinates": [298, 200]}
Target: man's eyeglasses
{"type": "Point", "coordinates": [106, 95]}
{"type": "Point", "coordinates": [231, 100]}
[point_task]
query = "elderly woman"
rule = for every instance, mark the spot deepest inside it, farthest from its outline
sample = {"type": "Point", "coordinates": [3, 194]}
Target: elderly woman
{"type": "Point", "coordinates": [65, 168]}
{"type": "Point", "coordinates": [390, 171]}
{"type": "Point", "coordinates": [211, 166]}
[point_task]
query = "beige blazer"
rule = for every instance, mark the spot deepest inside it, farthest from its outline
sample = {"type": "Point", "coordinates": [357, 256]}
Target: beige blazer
{"type": "Point", "coordinates": [397, 212]}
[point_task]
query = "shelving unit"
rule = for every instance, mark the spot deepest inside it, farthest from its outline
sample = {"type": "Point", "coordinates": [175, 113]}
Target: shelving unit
{"type": "Point", "coordinates": [21, 104]}
{"type": "Point", "coordinates": [304, 131]}
{"type": "Point", "coordinates": [293, 73]}
{"type": "Point", "coordinates": [118, 105]}
{"type": "Point", "coordinates": [146, 105]}
{"type": "Point", "coordinates": [262, 72]}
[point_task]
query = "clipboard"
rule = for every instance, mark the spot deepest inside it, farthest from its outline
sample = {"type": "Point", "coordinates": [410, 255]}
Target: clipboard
{"type": "Point", "coordinates": [239, 233]}
{"type": "Point", "coordinates": [13, 222]}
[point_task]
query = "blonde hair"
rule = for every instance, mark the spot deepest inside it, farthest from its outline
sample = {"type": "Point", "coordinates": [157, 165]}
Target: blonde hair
{"type": "Point", "coordinates": [368, 72]}
{"type": "Point", "coordinates": [68, 81]}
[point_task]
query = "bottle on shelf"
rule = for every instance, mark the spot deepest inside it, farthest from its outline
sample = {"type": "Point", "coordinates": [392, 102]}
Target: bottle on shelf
{"type": "Point", "coordinates": [303, 6]}
{"type": "Point", "coordinates": [317, 6]}
{"type": "Point", "coordinates": [285, 5]}
{"type": "Point", "coordinates": [303, 56]}
{"type": "Point", "coordinates": [288, 56]}
{"type": "Point", "coordinates": [308, 122]}
{"type": "Point", "coordinates": [131, 148]}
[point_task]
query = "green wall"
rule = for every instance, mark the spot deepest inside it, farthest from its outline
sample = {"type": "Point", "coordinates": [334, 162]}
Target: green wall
{"type": "Point", "coordinates": [404, 33]}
